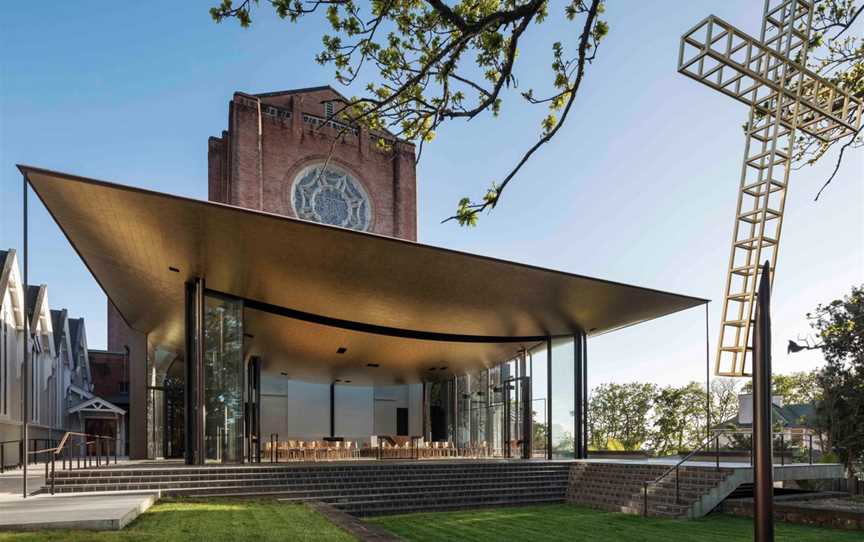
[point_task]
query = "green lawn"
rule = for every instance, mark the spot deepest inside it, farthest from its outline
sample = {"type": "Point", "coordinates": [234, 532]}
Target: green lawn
{"type": "Point", "coordinates": [571, 523]}
{"type": "Point", "coordinates": [216, 521]}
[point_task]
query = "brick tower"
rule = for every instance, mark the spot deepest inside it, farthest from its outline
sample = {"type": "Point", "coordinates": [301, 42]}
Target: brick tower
{"type": "Point", "coordinates": [272, 154]}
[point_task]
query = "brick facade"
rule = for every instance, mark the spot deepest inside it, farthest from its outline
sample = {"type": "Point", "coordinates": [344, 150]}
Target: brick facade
{"type": "Point", "coordinates": [258, 173]}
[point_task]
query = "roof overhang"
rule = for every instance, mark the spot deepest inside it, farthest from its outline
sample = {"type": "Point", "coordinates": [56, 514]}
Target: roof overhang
{"type": "Point", "coordinates": [325, 285]}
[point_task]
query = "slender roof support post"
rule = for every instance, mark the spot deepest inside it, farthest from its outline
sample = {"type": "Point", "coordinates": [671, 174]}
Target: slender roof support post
{"type": "Point", "coordinates": [548, 397]}
{"type": "Point", "coordinates": [200, 422]}
{"type": "Point", "coordinates": [763, 509]}
{"type": "Point", "coordinates": [585, 396]}
{"type": "Point", "coordinates": [332, 409]}
{"type": "Point", "coordinates": [194, 389]}
{"type": "Point", "coordinates": [577, 395]}
{"type": "Point", "coordinates": [189, 377]}
{"type": "Point", "coordinates": [25, 380]}
{"type": "Point", "coordinates": [707, 377]}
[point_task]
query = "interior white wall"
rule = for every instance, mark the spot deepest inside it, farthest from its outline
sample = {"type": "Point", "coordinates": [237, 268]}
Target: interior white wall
{"type": "Point", "coordinates": [354, 406]}
{"type": "Point", "coordinates": [301, 410]}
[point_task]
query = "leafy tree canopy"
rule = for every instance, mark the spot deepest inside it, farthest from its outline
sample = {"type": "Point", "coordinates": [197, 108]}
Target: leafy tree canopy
{"type": "Point", "coordinates": [426, 62]}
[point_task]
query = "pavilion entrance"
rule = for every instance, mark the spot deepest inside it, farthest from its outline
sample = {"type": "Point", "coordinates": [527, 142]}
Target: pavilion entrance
{"type": "Point", "coordinates": [243, 404]}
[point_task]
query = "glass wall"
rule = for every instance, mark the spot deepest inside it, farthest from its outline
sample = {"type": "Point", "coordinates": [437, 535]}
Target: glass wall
{"type": "Point", "coordinates": [539, 378]}
{"type": "Point", "coordinates": [223, 379]}
{"type": "Point", "coordinates": [563, 422]}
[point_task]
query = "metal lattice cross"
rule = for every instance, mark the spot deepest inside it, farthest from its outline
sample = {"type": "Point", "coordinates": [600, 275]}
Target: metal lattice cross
{"type": "Point", "coordinates": [769, 75]}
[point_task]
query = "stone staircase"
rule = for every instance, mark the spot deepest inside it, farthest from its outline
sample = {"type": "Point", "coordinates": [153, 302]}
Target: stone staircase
{"type": "Point", "coordinates": [361, 489]}
{"type": "Point", "coordinates": [618, 487]}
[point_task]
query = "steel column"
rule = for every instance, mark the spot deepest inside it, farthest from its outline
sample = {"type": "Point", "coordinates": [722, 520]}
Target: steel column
{"type": "Point", "coordinates": [332, 409]}
{"type": "Point", "coordinates": [548, 397]}
{"type": "Point", "coordinates": [577, 408]}
{"type": "Point", "coordinates": [763, 509]}
{"type": "Point", "coordinates": [707, 376]}
{"type": "Point", "coordinates": [584, 405]}
{"type": "Point", "coordinates": [25, 372]}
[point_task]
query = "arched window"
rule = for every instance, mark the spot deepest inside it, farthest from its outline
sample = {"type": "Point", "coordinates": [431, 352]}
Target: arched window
{"type": "Point", "coordinates": [332, 196]}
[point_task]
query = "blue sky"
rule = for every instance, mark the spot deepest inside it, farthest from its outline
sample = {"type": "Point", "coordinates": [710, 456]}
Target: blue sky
{"type": "Point", "coordinates": [639, 186]}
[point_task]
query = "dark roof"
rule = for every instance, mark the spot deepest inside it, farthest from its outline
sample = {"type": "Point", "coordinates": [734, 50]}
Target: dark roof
{"type": "Point", "coordinates": [296, 91]}
{"type": "Point", "coordinates": [800, 415]}
{"type": "Point", "coordinates": [57, 318]}
{"type": "Point", "coordinates": [32, 296]}
{"type": "Point", "coordinates": [5, 271]}
{"type": "Point", "coordinates": [75, 325]}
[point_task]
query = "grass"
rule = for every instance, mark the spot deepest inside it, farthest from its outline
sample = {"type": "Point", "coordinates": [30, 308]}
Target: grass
{"type": "Point", "coordinates": [214, 521]}
{"type": "Point", "coordinates": [567, 522]}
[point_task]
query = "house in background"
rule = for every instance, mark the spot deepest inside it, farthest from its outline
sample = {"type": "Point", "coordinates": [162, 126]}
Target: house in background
{"type": "Point", "coordinates": [796, 422]}
{"type": "Point", "coordinates": [59, 383]}
{"type": "Point", "coordinates": [110, 374]}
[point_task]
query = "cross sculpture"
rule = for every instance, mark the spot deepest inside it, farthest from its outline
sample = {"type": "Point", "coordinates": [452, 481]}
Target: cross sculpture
{"type": "Point", "coordinates": [769, 75]}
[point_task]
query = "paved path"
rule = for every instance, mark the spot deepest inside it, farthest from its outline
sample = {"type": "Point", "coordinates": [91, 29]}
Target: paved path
{"type": "Point", "coordinates": [93, 511]}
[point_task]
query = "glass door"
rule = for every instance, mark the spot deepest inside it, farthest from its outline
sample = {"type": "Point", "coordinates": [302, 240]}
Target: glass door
{"type": "Point", "coordinates": [223, 379]}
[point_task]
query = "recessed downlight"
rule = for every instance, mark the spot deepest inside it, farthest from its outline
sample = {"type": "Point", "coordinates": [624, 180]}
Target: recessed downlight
{"type": "Point", "coordinates": [341, 350]}
{"type": "Point", "coordinates": [346, 381]}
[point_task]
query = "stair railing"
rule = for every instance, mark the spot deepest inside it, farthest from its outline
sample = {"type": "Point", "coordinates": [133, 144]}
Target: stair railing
{"type": "Point", "coordinates": [676, 468]}
{"type": "Point", "coordinates": [99, 442]}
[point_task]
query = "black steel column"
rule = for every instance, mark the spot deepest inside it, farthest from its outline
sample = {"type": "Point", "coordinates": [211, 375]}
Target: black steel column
{"type": "Point", "coordinates": [763, 517]}
{"type": "Point", "coordinates": [194, 385]}
{"type": "Point", "coordinates": [527, 422]}
{"type": "Point", "coordinates": [257, 411]}
{"type": "Point", "coordinates": [707, 378]}
{"type": "Point", "coordinates": [585, 395]}
{"type": "Point", "coordinates": [549, 398]}
{"type": "Point", "coordinates": [425, 412]}
{"type": "Point", "coordinates": [25, 372]}
{"type": "Point", "coordinates": [332, 409]}
{"type": "Point", "coordinates": [577, 383]}
{"type": "Point", "coordinates": [189, 378]}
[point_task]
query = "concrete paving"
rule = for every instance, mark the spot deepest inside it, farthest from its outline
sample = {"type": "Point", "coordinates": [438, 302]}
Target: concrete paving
{"type": "Point", "coordinates": [91, 511]}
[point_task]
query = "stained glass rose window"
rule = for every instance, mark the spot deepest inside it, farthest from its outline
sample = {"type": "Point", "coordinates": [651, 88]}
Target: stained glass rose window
{"type": "Point", "coordinates": [331, 196]}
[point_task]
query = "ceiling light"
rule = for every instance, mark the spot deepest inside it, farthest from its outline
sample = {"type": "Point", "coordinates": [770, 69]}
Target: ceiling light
{"type": "Point", "coordinates": [341, 350]}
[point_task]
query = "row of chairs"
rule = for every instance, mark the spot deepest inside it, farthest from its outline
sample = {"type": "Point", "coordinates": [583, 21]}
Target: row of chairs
{"type": "Point", "coordinates": [381, 447]}
{"type": "Point", "coordinates": [313, 450]}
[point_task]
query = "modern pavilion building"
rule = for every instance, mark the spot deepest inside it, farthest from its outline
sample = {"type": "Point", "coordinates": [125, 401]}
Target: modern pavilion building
{"type": "Point", "coordinates": [297, 302]}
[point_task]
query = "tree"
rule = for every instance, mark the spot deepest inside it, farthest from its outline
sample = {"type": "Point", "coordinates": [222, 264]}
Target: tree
{"type": "Point", "coordinates": [438, 62]}
{"type": "Point", "coordinates": [724, 400]}
{"type": "Point", "coordinates": [434, 62]}
{"type": "Point", "coordinates": [620, 412]}
{"type": "Point", "coordinates": [837, 54]}
{"type": "Point", "coordinates": [679, 419]}
{"type": "Point", "coordinates": [840, 326]}
{"type": "Point", "coordinates": [795, 388]}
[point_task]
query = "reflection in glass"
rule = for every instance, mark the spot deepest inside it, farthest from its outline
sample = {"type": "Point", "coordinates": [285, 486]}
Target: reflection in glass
{"type": "Point", "coordinates": [223, 379]}
{"type": "Point", "coordinates": [563, 422]}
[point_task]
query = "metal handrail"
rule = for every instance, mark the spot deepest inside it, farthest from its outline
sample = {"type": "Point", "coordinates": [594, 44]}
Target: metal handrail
{"type": "Point", "coordinates": [716, 438]}
{"type": "Point", "coordinates": [57, 450]}
{"type": "Point", "coordinates": [675, 468]}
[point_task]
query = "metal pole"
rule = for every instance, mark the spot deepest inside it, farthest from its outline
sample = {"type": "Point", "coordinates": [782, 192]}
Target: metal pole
{"type": "Point", "coordinates": [707, 377]}
{"type": "Point", "coordinates": [332, 409]}
{"type": "Point", "coordinates": [577, 408]}
{"type": "Point", "coordinates": [763, 508]}
{"type": "Point", "coordinates": [25, 372]}
{"type": "Point", "coordinates": [585, 394]}
{"type": "Point", "coordinates": [549, 398]}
